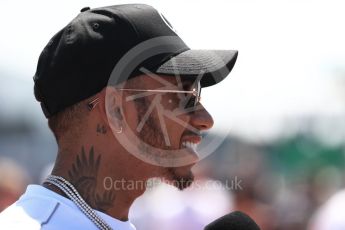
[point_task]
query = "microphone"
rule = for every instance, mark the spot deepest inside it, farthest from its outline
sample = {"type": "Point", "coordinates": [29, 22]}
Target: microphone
{"type": "Point", "coordinates": [233, 221]}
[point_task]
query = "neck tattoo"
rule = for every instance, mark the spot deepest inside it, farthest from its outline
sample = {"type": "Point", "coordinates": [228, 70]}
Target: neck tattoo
{"type": "Point", "coordinates": [81, 187]}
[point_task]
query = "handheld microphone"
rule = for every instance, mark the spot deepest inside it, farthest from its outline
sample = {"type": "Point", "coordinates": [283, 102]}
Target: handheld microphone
{"type": "Point", "coordinates": [233, 221]}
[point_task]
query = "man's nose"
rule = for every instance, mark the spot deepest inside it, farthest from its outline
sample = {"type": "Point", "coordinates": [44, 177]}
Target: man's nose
{"type": "Point", "coordinates": [201, 119]}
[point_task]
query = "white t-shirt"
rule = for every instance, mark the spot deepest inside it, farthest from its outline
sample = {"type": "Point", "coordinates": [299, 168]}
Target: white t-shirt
{"type": "Point", "coordinates": [331, 215]}
{"type": "Point", "coordinates": [41, 208]}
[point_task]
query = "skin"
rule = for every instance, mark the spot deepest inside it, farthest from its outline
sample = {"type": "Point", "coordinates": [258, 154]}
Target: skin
{"type": "Point", "coordinates": [87, 156]}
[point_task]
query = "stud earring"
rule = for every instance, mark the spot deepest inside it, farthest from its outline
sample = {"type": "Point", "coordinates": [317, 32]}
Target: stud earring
{"type": "Point", "coordinates": [119, 131]}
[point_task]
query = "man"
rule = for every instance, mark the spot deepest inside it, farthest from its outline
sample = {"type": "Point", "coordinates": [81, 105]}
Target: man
{"type": "Point", "coordinates": [121, 93]}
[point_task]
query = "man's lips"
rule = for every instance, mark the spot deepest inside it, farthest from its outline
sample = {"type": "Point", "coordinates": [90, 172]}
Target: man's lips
{"type": "Point", "coordinates": [195, 139]}
{"type": "Point", "coordinates": [190, 142]}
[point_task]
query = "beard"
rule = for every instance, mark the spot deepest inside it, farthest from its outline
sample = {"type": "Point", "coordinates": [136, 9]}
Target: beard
{"type": "Point", "coordinates": [179, 180]}
{"type": "Point", "coordinates": [152, 135]}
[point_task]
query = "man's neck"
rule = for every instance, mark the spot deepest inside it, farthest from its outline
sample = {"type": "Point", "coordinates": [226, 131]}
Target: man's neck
{"type": "Point", "coordinates": [101, 183]}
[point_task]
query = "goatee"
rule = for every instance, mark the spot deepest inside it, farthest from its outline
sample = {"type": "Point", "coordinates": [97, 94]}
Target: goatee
{"type": "Point", "coordinates": [181, 181]}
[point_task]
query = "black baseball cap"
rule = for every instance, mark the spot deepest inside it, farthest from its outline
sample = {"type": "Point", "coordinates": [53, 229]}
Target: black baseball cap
{"type": "Point", "coordinates": [78, 61]}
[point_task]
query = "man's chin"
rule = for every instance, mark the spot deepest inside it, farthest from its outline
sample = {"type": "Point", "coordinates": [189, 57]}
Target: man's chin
{"type": "Point", "coordinates": [181, 177]}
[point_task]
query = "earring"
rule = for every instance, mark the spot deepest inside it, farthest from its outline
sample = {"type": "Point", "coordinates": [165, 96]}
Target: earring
{"type": "Point", "coordinates": [119, 131]}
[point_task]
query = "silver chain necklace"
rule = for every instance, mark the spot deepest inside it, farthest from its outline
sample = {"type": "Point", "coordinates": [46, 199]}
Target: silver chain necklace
{"type": "Point", "coordinates": [73, 194]}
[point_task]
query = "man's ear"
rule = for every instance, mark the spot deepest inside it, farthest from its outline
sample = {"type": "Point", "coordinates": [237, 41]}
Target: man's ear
{"type": "Point", "coordinates": [111, 108]}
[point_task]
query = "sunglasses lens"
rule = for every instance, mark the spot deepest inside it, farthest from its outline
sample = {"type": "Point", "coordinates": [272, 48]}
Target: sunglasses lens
{"type": "Point", "coordinates": [191, 102]}
{"type": "Point", "coordinates": [192, 99]}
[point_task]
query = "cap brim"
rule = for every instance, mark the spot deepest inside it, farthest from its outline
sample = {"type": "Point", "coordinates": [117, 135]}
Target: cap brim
{"type": "Point", "coordinates": [212, 66]}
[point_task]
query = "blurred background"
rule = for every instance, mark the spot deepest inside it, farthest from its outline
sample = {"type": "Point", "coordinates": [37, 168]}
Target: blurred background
{"type": "Point", "coordinates": [281, 110]}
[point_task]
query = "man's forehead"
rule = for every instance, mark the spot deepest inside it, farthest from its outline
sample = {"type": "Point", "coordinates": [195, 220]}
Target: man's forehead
{"type": "Point", "coordinates": [159, 80]}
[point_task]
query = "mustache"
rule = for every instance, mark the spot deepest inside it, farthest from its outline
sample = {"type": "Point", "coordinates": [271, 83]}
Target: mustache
{"type": "Point", "coordinates": [193, 133]}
